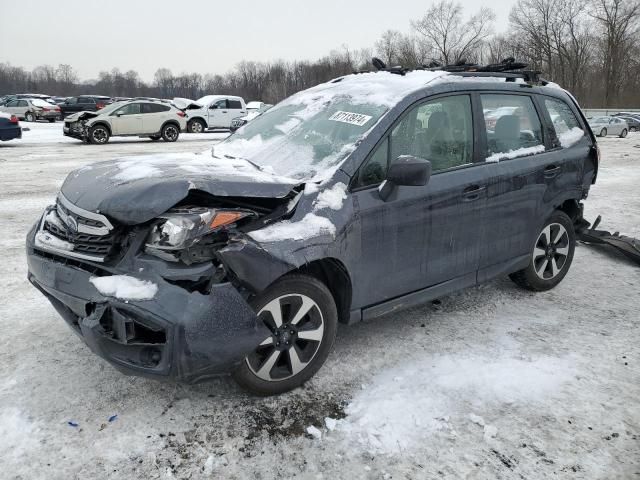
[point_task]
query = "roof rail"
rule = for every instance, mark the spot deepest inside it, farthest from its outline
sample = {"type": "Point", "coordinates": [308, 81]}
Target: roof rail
{"type": "Point", "coordinates": [508, 69]}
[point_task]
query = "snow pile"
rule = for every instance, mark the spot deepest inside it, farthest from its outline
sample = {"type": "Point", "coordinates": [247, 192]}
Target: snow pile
{"type": "Point", "coordinates": [47, 240]}
{"type": "Point", "coordinates": [125, 287]}
{"type": "Point", "coordinates": [520, 152]}
{"type": "Point", "coordinates": [570, 137]}
{"type": "Point", "coordinates": [314, 432]}
{"type": "Point", "coordinates": [331, 197]}
{"type": "Point", "coordinates": [17, 435]}
{"type": "Point", "coordinates": [4, 115]}
{"type": "Point", "coordinates": [311, 225]}
{"type": "Point", "coordinates": [407, 404]}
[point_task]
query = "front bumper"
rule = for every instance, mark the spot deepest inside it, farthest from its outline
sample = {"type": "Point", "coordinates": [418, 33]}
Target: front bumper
{"type": "Point", "coordinates": [179, 335]}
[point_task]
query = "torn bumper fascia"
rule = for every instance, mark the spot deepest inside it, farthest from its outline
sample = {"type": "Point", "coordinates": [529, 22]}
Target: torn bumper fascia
{"type": "Point", "coordinates": [186, 336]}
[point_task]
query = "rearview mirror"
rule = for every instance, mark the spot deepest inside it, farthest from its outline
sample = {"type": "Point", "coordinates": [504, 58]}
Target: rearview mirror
{"type": "Point", "coordinates": [407, 170]}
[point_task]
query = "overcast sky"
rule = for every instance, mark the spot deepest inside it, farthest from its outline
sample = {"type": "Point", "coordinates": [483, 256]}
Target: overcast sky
{"type": "Point", "coordinates": [195, 35]}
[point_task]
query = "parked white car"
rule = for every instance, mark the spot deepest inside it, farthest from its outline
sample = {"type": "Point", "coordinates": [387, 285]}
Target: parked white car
{"type": "Point", "coordinates": [141, 118]}
{"type": "Point", "coordinates": [211, 111]}
{"type": "Point", "coordinates": [31, 109]}
{"type": "Point", "coordinates": [254, 109]}
{"type": "Point", "coordinates": [603, 126]}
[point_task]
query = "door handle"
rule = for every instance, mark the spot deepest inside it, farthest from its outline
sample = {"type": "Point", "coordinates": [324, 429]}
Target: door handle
{"type": "Point", "coordinates": [472, 192]}
{"type": "Point", "coordinates": [551, 171]}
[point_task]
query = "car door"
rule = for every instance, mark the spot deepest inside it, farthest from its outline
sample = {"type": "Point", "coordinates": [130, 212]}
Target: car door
{"type": "Point", "coordinates": [616, 126]}
{"type": "Point", "coordinates": [22, 108]}
{"type": "Point", "coordinates": [235, 110]}
{"type": "Point", "coordinates": [153, 116]}
{"type": "Point", "coordinates": [12, 108]}
{"type": "Point", "coordinates": [218, 114]}
{"type": "Point", "coordinates": [421, 236]}
{"type": "Point", "coordinates": [526, 169]}
{"type": "Point", "coordinates": [127, 120]}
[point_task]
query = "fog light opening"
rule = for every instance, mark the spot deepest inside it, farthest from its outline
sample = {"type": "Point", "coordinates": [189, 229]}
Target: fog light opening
{"type": "Point", "coordinates": [150, 356]}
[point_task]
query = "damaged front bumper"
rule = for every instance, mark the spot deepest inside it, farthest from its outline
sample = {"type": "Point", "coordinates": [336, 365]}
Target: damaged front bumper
{"type": "Point", "coordinates": [181, 334]}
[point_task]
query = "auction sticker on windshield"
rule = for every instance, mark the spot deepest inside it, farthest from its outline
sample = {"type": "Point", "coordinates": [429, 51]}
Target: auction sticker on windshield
{"type": "Point", "coordinates": [352, 118]}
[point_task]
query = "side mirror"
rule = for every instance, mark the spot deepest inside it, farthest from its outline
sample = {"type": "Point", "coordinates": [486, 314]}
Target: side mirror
{"type": "Point", "coordinates": [407, 171]}
{"type": "Point", "coordinates": [119, 114]}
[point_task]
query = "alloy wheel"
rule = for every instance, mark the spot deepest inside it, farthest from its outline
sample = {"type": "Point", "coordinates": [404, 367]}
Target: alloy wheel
{"type": "Point", "coordinates": [551, 251]}
{"type": "Point", "coordinates": [100, 135]}
{"type": "Point", "coordinates": [29, 117]}
{"type": "Point", "coordinates": [196, 127]}
{"type": "Point", "coordinates": [297, 329]}
{"type": "Point", "coordinates": [171, 133]}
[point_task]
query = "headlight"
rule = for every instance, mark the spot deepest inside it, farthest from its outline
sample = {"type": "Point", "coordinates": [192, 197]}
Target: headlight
{"type": "Point", "coordinates": [181, 228]}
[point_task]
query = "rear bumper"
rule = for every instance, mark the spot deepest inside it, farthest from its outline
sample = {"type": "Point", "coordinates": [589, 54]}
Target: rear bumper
{"type": "Point", "coordinates": [178, 335]}
{"type": "Point", "coordinates": [10, 133]}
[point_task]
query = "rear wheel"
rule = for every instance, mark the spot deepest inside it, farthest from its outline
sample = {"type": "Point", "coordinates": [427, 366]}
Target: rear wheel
{"type": "Point", "coordinates": [170, 133]}
{"type": "Point", "coordinates": [623, 133]}
{"type": "Point", "coordinates": [551, 256]}
{"type": "Point", "coordinates": [52, 120]}
{"type": "Point", "coordinates": [196, 126]}
{"type": "Point", "coordinates": [633, 129]}
{"type": "Point", "coordinates": [603, 132]}
{"type": "Point", "coordinates": [301, 314]}
{"type": "Point", "coordinates": [98, 134]}
{"type": "Point", "coordinates": [155, 138]}
{"type": "Point", "coordinates": [30, 117]}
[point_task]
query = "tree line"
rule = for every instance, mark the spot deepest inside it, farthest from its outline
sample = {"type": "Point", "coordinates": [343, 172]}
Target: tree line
{"type": "Point", "coordinates": [590, 47]}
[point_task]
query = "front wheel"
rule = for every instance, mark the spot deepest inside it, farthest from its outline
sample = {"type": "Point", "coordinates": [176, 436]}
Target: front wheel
{"type": "Point", "coordinates": [52, 120]}
{"type": "Point", "coordinates": [170, 133]}
{"type": "Point", "coordinates": [301, 315]}
{"type": "Point", "coordinates": [155, 138]}
{"type": "Point", "coordinates": [603, 132]}
{"type": "Point", "coordinates": [98, 135]}
{"type": "Point", "coordinates": [196, 126]}
{"type": "Point", "coordinates": [551, 256]}
{"type": "Point", "coordinates": [30, 117]}
{"type": "Point", "coordinates": [623, 133]}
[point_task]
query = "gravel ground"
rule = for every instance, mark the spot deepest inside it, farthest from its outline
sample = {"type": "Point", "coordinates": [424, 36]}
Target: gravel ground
{"type": "Point", "coordinates": [492, 382]}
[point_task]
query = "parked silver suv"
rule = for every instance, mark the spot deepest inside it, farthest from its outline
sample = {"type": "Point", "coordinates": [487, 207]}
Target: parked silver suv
{"type": "Point", "coordinates": [143, 118]}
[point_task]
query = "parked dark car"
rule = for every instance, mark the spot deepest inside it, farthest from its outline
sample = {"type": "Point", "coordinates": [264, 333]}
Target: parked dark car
{"type": "Point", "coordinates": [9, 127]}
{"type": "Point", "coordinates": [348, 201]}
{"type": "Point", "coordinates": [84, 103]}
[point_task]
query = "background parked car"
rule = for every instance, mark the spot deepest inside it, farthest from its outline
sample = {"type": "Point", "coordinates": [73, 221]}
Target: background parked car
{"type": "Point", "coordinates": [141, 118]}
{"type": "Point", "coordinates": [84, 103]}
{"type": "Point", "coordinates": [254, 109]}
{"type": "Point", "coordinates": [32, 109]}
{"type": "Point", "coordinates": [632, 122]}
{"type": "Point", "coordinates": [606, 125]}
{"type": "Point", "coordinates": [212, 111]}
{"type": "Point", "coordinates": [9, 127]}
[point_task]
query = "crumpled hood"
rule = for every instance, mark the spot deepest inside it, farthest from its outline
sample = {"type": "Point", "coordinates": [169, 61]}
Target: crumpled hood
{"type": "Point", "coordinates": [134, 190]}
{"type": "Point", "coordinates": [76, 116]}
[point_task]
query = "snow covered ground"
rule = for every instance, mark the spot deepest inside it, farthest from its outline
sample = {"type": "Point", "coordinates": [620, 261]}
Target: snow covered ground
{"type": "Point", "coordinates": [492, 382]}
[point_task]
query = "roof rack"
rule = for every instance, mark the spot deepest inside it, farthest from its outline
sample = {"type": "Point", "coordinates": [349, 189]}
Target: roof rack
{"type": "Point", "coordinates": [508, 69]}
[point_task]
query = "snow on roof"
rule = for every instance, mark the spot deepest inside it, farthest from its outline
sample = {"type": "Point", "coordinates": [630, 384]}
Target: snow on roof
{"type": "Point", "coordinates": [207, 99]}
{"type": "Point", "coordinates": [39, 103]}
{"type": "Point", "coordinates": [4, 115]}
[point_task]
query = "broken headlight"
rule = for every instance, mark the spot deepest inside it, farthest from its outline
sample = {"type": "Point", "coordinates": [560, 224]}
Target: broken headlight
{"type": "Point", "coordinates": [182, 228]}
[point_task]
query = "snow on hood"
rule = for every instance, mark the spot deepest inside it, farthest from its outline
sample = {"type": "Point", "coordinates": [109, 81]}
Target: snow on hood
{"type": "Point", "coordinates": [77, 115]}
{"type": "Point", "coordinates": [133, 190]}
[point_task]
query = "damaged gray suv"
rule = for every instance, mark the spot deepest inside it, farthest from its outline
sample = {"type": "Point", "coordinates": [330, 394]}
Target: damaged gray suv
{"type": "Point", "coordinates": [370, 193]}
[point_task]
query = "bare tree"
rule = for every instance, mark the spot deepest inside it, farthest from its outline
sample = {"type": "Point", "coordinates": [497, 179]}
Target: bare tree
{"type": "Point", "coordinates": [453, 38]}
{"type": "Point", "coordinates": [619, 23]}
{"type": "Point", "coordinates": [388, 45]}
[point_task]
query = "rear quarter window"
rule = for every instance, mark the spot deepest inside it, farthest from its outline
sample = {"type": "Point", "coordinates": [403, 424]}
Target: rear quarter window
{"type": "Point", "coordinates": [565, 123]}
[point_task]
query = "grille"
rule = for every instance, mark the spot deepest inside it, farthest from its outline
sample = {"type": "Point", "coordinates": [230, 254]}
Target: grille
{"type": "Point", "coordinates": [89, 234]}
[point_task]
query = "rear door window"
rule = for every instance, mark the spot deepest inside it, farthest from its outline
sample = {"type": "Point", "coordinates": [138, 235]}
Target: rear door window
{"type": "Point", "coordinates": [565, 123]}
{"type": "Point", "coordinates": [512, 125]}
{"type": "Point", "coordinates": [235, 104]}
{"type": "Point", "coordinates": [154, 108]}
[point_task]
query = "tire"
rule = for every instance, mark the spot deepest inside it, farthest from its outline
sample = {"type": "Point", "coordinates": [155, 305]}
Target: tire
{"type": "Point", "coordinates": [155, 138]}
{"type": "Point", "coordinates": [549, 262]}
{"type": "Point", "coordinates": [285, 360]}
{"type": "Point", "coordinates": [603, 132]}
{"type": "Point", "coordinates": [170, 132]}
{"type": "Point", "coordinates": [52, 120]}
{"type": "Point", "coordinates": [29, 117]}
{"type": "Point", "coordinates": [623, 133]}
{"type": "Point", "coordinates": [196, 126]}
{"type": "Point", "coordinates": [98, 134]}
{"type": "Point", "coordinates": [633, 129]}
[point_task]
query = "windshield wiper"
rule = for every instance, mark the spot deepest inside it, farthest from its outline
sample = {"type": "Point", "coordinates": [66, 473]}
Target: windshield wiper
{"type": "Point", "coordinates": [246, 160]}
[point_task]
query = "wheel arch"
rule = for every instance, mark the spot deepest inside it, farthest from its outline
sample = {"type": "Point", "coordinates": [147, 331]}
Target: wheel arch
{"type": "Point", "coordinates": [104, 124]}
{"type": "Point", "coordinates": [170, 122]}
{"type": "Point", "coordinates": [333, 273]}
{"type": "Point", "coordinates": [204, 122]}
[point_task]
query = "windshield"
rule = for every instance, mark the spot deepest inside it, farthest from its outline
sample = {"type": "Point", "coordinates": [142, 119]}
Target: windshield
{"type": "Point", "coordinates": [305, 135]}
